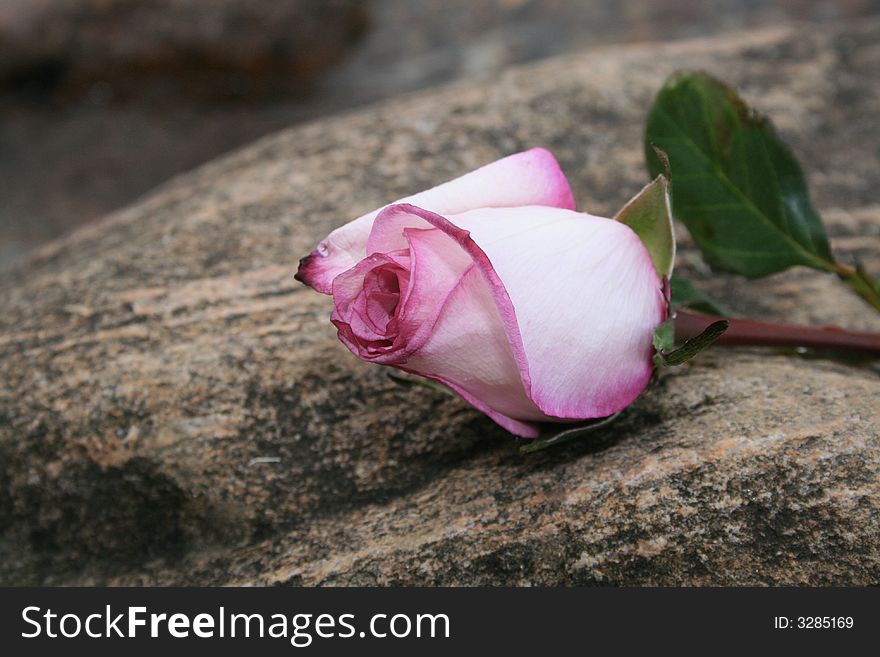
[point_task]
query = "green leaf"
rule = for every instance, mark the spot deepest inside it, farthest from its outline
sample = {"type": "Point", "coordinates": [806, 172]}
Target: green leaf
{"type": "Point", "coordinates": [649, 214]}
{"type": "Point", "coordinates": [738, 188]}
{"type": "Point", "coordinates": [569, 434]}
{"type": "Point", "coordinates": [685, 295]}
{"type": "Point", "coordinates": [694, 345]}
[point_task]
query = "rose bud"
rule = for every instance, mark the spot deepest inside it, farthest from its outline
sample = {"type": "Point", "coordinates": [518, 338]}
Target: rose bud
{"type": "Point", "coordinates": [493, 285]}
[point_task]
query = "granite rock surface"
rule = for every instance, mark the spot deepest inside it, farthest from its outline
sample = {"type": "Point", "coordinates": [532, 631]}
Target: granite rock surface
{"type": "Point", "coordinates": [176, 409]}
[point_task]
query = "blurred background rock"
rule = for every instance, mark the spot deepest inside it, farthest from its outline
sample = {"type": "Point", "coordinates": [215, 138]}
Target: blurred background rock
{"type": "Point", "coordinates": [101, 100]}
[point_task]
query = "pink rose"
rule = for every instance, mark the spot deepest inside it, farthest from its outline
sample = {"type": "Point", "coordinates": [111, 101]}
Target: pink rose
{"type": "Point", "coordinates": [493, 285]}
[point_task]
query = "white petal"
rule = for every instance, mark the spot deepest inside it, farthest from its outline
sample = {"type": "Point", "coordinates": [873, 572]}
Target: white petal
{"type": "Point", "coordinates": [532, 177]}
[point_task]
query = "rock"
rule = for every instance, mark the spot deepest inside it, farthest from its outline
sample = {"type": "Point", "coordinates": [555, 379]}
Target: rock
{"type": "Point", "coordinates": [176, 409]}
{"type": "Point", "coordinates": [216, 47]}
{"type": "Point", "coordinates": [101, 100]}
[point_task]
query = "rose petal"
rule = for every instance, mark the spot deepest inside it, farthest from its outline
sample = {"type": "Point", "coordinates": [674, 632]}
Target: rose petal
{"type": "Point", "coordinates": [355, 302]}
{"type": "Point", "coordinates": [532, 177]}
{"type": "Point", "coordinates": [587, 300]}
{"type": "Point", "coordinates": [467, 349]}
{"type": "Point", "coordinates": [437, 262]}
{"type": "Point", "coordinates": [577, 295]}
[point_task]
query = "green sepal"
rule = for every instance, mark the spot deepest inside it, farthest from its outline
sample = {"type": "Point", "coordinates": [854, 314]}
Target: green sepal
{"type": "Point", "coordinates": [691, 347]}
{"type": "Point", "coordinates": [649, 215]}
{"type": "Point", "coordinates": [664, 341]}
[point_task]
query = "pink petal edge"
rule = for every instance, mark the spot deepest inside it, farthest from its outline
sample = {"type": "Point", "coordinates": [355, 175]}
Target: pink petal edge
{"type": "Point", "coordinates": [531, 177]}
{"type": "Point", "coordinates": [621, 391]}
{"type": "Point", "coordinates": [496, 287]}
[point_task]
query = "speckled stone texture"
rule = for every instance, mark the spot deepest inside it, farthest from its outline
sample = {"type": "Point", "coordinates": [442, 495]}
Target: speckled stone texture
{"type": "Point", "coordinates": [151, 360]}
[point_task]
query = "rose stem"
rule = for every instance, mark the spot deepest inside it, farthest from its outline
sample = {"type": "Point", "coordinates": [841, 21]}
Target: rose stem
{"type": "Point", "coordinates": [769, 334]}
